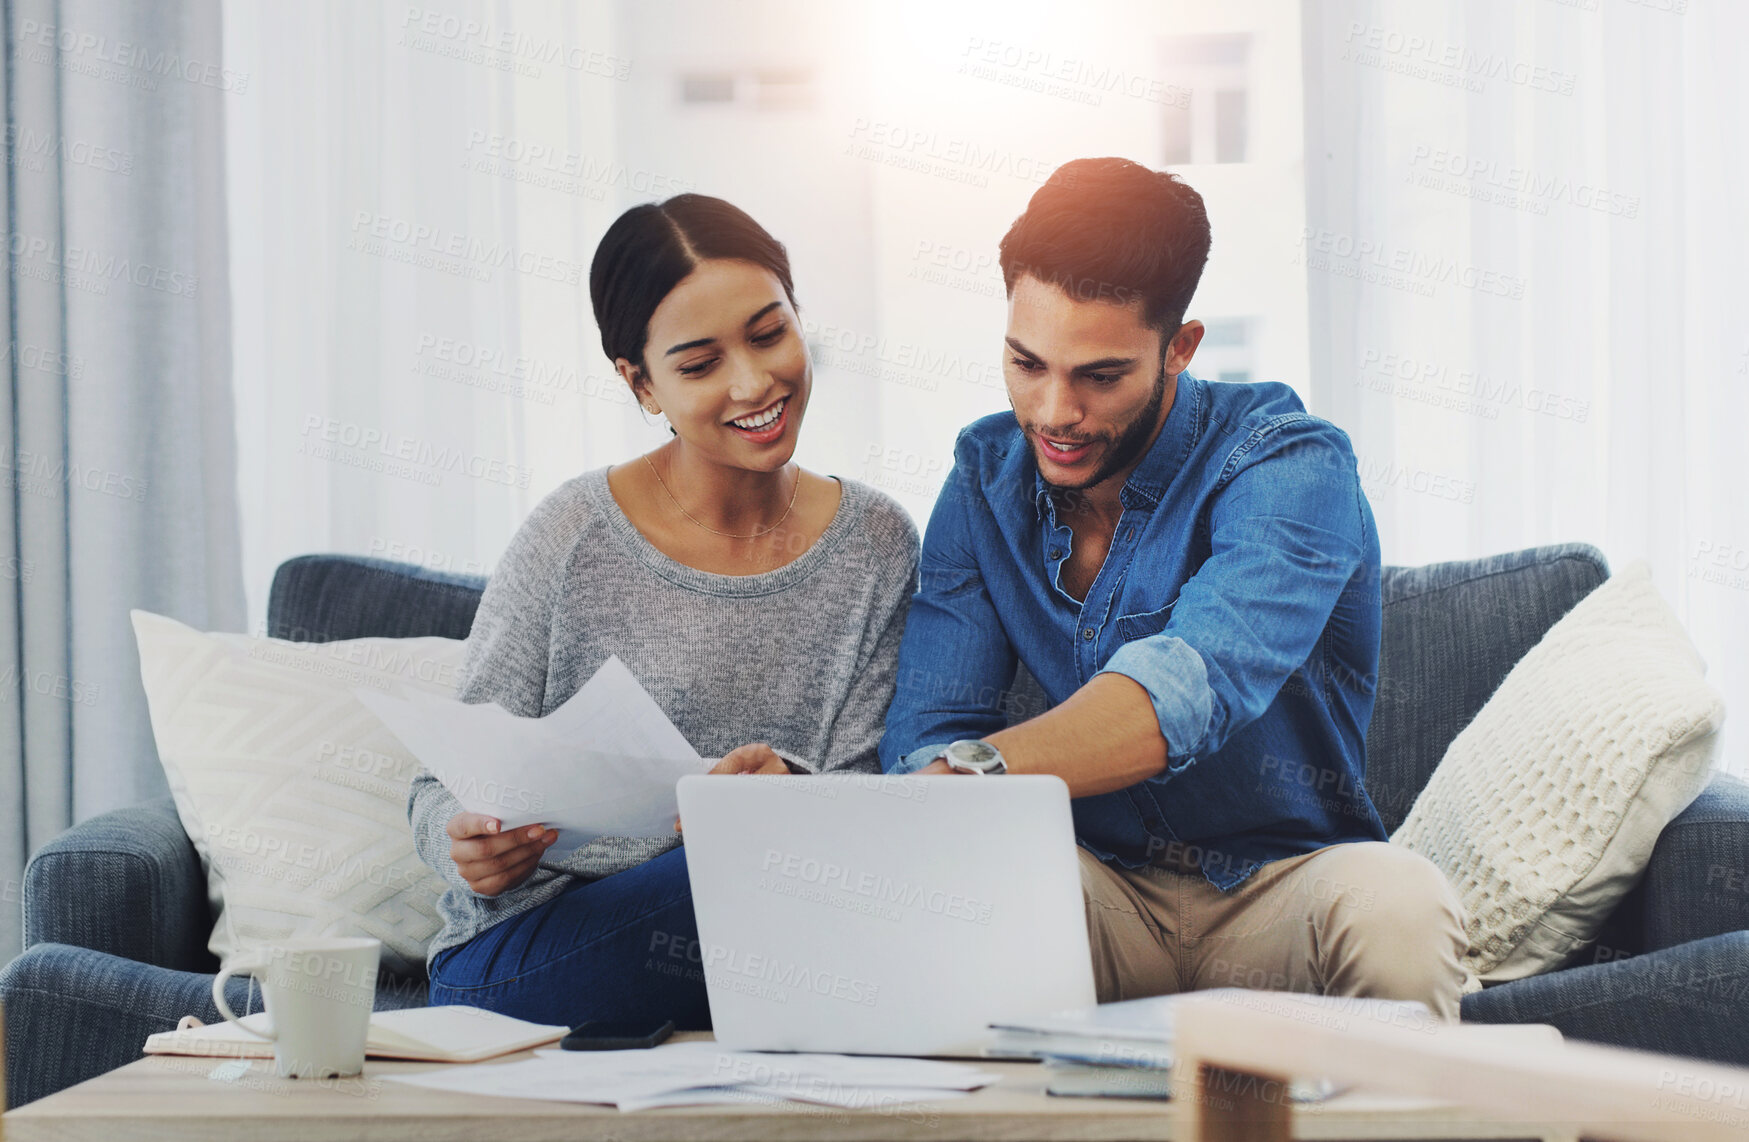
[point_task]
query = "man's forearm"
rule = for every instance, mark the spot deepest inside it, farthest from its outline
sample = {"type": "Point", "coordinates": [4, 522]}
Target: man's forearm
{"type": "Point", "coordinates": [1103, 737]}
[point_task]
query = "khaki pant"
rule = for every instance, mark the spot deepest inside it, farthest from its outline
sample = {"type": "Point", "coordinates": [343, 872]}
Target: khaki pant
{"type": "Point", "coordinates": [1361, 919]}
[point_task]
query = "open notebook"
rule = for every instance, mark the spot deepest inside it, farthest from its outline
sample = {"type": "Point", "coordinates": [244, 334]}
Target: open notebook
{"type": "Point", "coordinates": [451, 1034]}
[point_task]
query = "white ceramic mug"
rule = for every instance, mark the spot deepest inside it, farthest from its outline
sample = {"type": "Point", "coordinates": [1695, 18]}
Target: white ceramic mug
{"type": "Point", "coordinates": [318, 993]}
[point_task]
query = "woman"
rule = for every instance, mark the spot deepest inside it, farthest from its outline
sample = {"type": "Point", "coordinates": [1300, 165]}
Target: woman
{"type": "Point", "coordinates": [760, 605]}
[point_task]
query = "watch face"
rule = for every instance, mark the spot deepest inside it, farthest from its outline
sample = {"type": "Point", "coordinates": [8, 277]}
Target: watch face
{"type": "Point", "coordinates": [975, 754]}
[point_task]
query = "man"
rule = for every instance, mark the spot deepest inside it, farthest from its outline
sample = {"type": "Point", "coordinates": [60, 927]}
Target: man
{"type": "Point", "coordinates": [1191, 573]}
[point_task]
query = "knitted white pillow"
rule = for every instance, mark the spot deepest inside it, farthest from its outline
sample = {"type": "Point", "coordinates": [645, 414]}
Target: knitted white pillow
{"type": "Point", "coordinates": [1544, 810]}
{"type": "Point", "coordinates": [294, 794]}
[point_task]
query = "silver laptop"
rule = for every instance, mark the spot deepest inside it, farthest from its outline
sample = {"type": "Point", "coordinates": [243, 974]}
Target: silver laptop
{"type": "Point", "coordinates": [883, 915]}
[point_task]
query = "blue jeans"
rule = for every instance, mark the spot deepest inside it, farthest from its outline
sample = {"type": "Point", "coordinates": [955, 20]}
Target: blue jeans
{"type": "Point", "coordinates": [621, 948]}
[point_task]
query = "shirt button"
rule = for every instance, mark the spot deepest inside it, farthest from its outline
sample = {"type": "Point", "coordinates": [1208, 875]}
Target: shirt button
{"type": "Point", "coordinates": [1087, 634]}
{"type": "Point", "coordinates": [1056, 553]}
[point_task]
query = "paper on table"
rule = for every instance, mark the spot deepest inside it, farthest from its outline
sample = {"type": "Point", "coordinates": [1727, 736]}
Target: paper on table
{"type": "Point", "coordinates": [444, 1033]}
{"type": "Point", "coordinates": [850, 1098]}
{"type": "Point", "coordinates": [700, 1073]}
{"type": "Point", "coordinates": [604, 764]}
{"type": "Point", "coordinates": [726, 1067]}
{"type": "Point", "coordinates": [701, 1096]}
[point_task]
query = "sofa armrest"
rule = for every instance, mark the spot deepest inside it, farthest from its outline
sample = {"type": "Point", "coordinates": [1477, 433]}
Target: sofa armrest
{"type": "Point", "coordinates": [1697, 882]}
{"type": "Point", "coordinates": [128, 883]}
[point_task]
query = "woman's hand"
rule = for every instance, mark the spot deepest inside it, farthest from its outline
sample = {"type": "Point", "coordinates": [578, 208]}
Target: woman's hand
{"type": "Point", "coordinates": [755, 758]}
{"type": "Point", "coordinates": [493, 861]}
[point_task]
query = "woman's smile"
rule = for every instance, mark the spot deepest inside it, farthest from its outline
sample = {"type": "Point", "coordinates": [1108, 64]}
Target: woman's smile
{"type": "Point", "coordinates": [764, 426]}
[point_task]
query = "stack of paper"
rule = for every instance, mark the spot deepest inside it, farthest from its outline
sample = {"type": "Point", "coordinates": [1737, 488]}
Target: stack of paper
{"type": "Point", "coordinates": [443, 1034]}
{"type": "Point", "coordinates": [604, 764]}
{"type": "Point", "coordinates": [693, 1074]}
{"type": "Point", "coordinates": [1125, 1049]}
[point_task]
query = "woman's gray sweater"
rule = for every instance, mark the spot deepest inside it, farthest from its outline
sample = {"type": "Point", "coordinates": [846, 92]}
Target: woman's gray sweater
{"type": "Point", "coordinates": [803, 657]}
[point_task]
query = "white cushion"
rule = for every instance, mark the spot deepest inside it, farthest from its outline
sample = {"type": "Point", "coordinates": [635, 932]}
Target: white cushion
{"type": "Point", "coordinates": [294, 794]}
{"type": "Point", "coordinates": [1544, 810]}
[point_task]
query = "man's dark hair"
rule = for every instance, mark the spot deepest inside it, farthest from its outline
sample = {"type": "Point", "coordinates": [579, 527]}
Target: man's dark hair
{"type": "Point", "coordinates": [1113, 230]}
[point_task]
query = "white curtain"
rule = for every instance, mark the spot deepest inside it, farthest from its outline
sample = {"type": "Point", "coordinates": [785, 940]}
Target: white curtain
{"type": "Point", "coordinates": [413, 366]}
{"type": "Point", "coordinates": [1528, 268]}
{"type": "Point", "coordinates": [415, 193]}
{"type": "Point", "coordinates": [117, 445]}
{"type": "Point", "coordinates": [1503, 229]}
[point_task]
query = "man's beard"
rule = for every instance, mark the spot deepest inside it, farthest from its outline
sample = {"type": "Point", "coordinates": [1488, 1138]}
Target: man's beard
{"type": "Point", "coordinates": [1132, 440]}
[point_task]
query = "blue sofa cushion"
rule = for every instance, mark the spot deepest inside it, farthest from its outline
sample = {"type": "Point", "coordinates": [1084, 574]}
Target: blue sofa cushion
{"type": "Point", "coordinates": [325, 598]}
{"type": "Point", "coordinates": [1684, 1000]}
{"type": "Point", "coordinates": [1452, 632]}
{"type": "Point", "coordinates": [127, 882]}
{"type": "Point", "coordinates": [1697, 882]}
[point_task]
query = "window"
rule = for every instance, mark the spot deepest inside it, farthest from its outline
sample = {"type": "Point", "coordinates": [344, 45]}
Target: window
{"type": "Point", "coordinates": [1228, 351]}
{"type": "Point", "coordinates": [1211, 120]}
{"type": "Point", "coordinates": [707, 89]}
{"type": "Point", "coordinates": [763, 89]}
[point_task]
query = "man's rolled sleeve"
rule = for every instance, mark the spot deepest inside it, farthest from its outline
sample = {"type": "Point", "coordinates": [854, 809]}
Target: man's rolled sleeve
{"type": "Point", "coordinates": [1177, 682]}
{"type": "Point", "coordinates": [1286, 535]}
{"type": "Point", "coordinates": [918, 758]}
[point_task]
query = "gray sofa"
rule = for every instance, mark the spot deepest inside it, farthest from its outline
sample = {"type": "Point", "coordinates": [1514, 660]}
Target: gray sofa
{"type": "Point", "coordinates": [116, 917]}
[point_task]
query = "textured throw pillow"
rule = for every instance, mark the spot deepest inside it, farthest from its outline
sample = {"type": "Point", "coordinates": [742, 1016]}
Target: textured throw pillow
{"type": "Point", "coordinates": [1544, 810]}
{"type": "Point", "coordinates": [294, 794]}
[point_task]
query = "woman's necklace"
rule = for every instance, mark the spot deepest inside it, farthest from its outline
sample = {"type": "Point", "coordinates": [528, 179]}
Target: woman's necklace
{"type": "Point", "coordinates": [730, 534]}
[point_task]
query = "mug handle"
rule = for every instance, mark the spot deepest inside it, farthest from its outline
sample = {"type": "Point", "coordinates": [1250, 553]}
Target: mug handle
{"type": "Point", "coordinates": [226, 973]}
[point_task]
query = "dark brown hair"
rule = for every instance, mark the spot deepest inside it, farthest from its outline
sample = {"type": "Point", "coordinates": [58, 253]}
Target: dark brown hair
{"type": "Point", "coordinates": [1113, 230]}
{"type": "Point", "coordinates": [651, 247]}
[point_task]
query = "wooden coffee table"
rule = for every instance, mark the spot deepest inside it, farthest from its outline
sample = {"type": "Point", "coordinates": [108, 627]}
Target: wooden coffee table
{"type": "Point", "coordinates": [173, 1097]}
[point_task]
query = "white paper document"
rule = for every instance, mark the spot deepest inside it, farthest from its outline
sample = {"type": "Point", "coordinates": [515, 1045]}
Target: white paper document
{"type": "Point", "coordinates": [693, 1074]}
{"type": "Point", "coordinates": [448, 1034]}
{"type": "Point", "coordinates": [1151, 1020]}
{"type": "Point", "coordinates": [604, 764]}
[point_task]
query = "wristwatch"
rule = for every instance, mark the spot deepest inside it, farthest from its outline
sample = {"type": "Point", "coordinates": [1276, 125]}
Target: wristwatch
{"type": "Point", "coordinates": [972, 756]}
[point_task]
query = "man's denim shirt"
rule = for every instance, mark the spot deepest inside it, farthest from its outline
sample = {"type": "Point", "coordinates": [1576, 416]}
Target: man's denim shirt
{"type": "Point", "coordinates": [1241, 591]}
